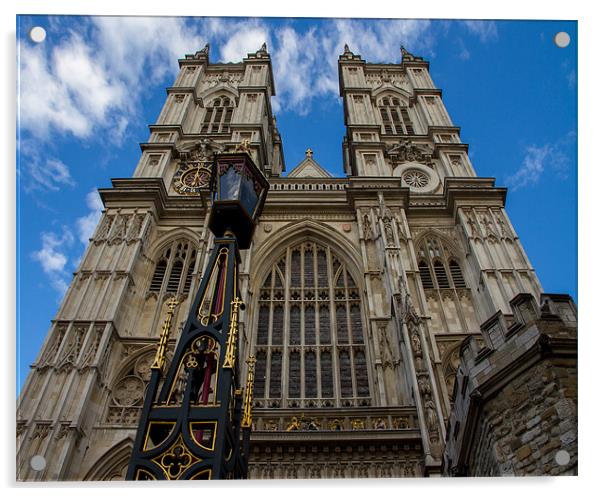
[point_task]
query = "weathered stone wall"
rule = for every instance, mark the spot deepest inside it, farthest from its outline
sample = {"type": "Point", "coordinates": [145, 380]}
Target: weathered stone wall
{"type": "Point", "coordinates": [531, 419]}
{"type": "Point", "coordinates": [515, 399]}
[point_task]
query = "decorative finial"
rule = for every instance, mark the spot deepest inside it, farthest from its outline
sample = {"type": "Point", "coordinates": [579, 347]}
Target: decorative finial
{"type": "Point", "coordinates": [309, 153]}
{"type": "Point", "coordinates": [162, 347]}
{"type": "Point", "coordinates": [405, 55]}
{"type": "Point", "coordinates": [346, 49]}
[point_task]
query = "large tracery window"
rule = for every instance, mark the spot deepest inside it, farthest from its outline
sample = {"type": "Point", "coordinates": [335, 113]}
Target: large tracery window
{"type": "Point", "coordinates": [310, 340]}
{"type": "Point", "coordinates": [395, 117]}
{"type": "Point", "coordinates": [218, 116]}
{"type": "Point", "coordinates": [174, 268]}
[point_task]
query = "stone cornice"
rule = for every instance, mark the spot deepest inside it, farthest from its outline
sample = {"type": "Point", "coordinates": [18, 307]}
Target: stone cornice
{"type": "Point", "coordinates": [459, 191]}
{"type": "Point", "coordinates": [368, 188]}
{"type": "Point", "coordinates": [151, 192]}
{"type": "Point", "coordinates": [367, 435]}
{"type": "Point", "coordinates": [428, 92]}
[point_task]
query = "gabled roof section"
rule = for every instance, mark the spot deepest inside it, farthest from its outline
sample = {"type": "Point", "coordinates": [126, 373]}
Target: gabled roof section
{"type": "Point", "coordinates": [308, 167]}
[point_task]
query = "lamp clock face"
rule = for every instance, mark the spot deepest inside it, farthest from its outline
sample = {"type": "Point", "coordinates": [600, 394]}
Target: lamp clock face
{"type": "Point", "coordinates": [191, 178]}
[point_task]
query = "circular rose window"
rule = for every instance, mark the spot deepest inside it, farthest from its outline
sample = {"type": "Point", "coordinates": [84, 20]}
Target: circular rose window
{"type": "Point", "coordinates": [416, 179]}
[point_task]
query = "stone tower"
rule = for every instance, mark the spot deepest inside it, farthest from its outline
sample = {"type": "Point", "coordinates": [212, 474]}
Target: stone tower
{"type": "Point", "coordinates": [360, 289]}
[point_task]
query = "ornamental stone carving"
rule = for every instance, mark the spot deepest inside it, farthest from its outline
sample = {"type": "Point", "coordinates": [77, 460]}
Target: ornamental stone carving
{"type": "Point", "coordinates": [135, 228]}
{"type": "Point", "coordinates": [367, 227]}
{"type": "Point", "coordinates": [129, 391]}
{"type": "Point", "coordinates": [105, 228]}
{"type": "Point", "coordinates": [415, 179]}
{"type": "Point", "coordinates": [119, 229]}
{"type": "Point", "coordinates": [408, 151]}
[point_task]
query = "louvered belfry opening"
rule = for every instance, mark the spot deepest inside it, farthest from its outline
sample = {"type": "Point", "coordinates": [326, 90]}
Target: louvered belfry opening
{"type": "Point", "coordinates": [218, 115]}
{"type": "Point", "coordinates": [437, 267]}
{"type": "Point", "coordinates": [395, 117]}
{"type": "Point", "coordinates": [174, 269]}
{"type": "Point", "coordinates": [310, 340]}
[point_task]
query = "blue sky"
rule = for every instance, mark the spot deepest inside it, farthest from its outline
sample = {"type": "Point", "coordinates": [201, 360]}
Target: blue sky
{"type": "Point", "coordinates": [89, 91]}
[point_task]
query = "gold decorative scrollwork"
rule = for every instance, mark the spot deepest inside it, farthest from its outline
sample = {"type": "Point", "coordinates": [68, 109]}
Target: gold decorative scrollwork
{"type": "Point", "coordinates": [162, 348]}
{"type": "Point", "coordinates": [248, 401]}
{"type": "Point", "coordinates": [230, 357]}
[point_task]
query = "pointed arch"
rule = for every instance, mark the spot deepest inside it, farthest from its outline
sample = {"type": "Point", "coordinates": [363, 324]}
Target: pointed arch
{"type": "Point", "coordinates": [446, 240]}
{"type": "Point", "coordinates": [163, 240]}
{"type": "Point", "coordinates": [113, 463]}
{"type": "Point", "coordinates": [438, 261]}
{"type": "Point", "coordinates": [392, 91]}
{"type": "Point", "coordinates": [269, 252]}
{"type": "Point", "coordinates": [175, 258]}
{"type": "Point", "coordinates": [221, 89]}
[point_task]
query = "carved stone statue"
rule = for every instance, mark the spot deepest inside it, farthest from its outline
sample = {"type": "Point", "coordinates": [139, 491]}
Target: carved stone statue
{"type": "Point", "coordinates": [368, 234]}
{"type": "Point", "coordinates": [424, 385]}
{"type": "Point", "coordinates": [386, 355]}
{"type": "Point", "coordinates": [379, 424]}
{"type": "Point", "coordinates": [431, 416]}
{"type": "Point", "coordinates": [389, 236]}
{"type": "Point", "coordinates": [415, 339]}
{"type": "Point", "coordinates": [335, 425]}
{"type": "Point", "coordinates": [357, 424]}
{"type": "Point", "coordinates": [294, 425]}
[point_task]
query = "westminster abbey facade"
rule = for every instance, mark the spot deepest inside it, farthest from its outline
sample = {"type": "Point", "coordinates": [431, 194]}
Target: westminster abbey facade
{"type": "Point", "coordinates": [398, 326]}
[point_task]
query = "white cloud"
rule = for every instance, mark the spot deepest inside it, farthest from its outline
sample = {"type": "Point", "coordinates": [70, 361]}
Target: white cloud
{"type": "Point", "coordinates": [53, 259]}
{"type": "Point", "coordinates": [87, 224]}
{"type": "Point", "coordinates": [136, 48]}
{"type": "Point", "coordinates": [572, 78]}
{"type": "Point", "coordinates": [44, 101]}
{"type": "Point", "coordinates": [538, 160]}
{"type": "Point", "coordinates": [95, 82]}
{"type": "Point", "coordinates": [247, 39]}
{"type": "Point", "coordinates": [306, 64]}
{"type": "Point", "coordinates": [463, 54]}
{"type": "Point", "coordinates": [485, 30]}
{"type": "Point", "coordinates": [48, 175]}
{"type": "Point", "coordinates": [96, 74]}
{"type": "Point", "coordinates": [89, 85]}
{"type": "Point", "coordinates": [294, 64]}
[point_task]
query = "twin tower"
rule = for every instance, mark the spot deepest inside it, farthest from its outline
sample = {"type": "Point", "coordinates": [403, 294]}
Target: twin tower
{"type": "Point", "coordinates": [377, 302]}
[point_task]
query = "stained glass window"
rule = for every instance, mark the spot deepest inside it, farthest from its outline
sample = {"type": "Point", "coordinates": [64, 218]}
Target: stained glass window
{"type": "Point", "coordinates": [310, 324]}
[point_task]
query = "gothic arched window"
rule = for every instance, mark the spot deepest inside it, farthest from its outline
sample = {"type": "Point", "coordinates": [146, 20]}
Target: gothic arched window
{"type": "Point", "coordinates": [218, 115]}
{"type": "Point", "coordinates": [174, 268]}
{"type": "Point", "coordinates": [395, 117]}
{"type": "Point", "coordinates": [438, 269]}
{"type": "Point", "coordinates": [310, 340]}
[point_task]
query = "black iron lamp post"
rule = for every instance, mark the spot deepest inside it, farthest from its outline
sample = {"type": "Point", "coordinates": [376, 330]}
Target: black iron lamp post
{"type": "Point", "coordinates": [195, 423]}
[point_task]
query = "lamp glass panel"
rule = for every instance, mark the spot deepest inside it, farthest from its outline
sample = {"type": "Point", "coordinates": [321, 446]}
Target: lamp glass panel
{"type": "Point", "coordinates": [248, 197]}
{"type": "Point", "coordinates": [229, 185]}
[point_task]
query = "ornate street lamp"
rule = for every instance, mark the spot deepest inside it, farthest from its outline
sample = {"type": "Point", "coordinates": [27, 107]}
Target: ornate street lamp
{"type": "Point", "coordinates": [194, 415]}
